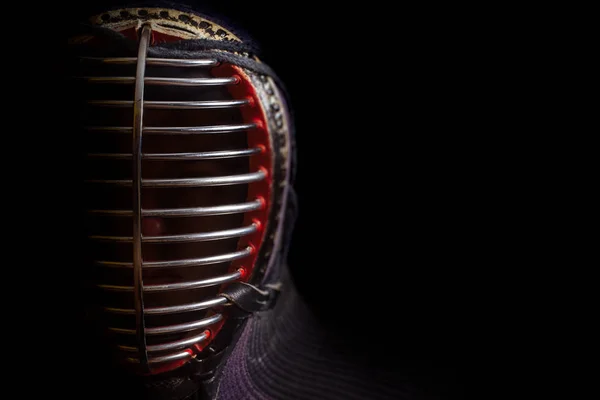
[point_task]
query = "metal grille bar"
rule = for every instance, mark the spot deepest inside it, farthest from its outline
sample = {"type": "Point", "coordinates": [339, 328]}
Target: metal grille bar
{"type": "Point", "coordinates": [167, 287]}
{"type": "Point", "coordinates": [138, 115]}
{"type": "Point", "coordinates": [193, 262]}
{"type": "Point", "coordinates": [189, 182]}
{"type": "Point", "coordinates": [187, 212]}
{"type": "Point", "coordinates": [184, 238]}
{"type": "Point", "coordinates": [207, 155]}
{"type": "Point", "coordinates": [173, 105]}
{"type": "Point", "coordinates": [162, 62]}
{"type": "Point", "coordinates": [171, 345]}
{"type": "Point", "coordinates": [159, 81]}
{"type": "Point", "coordinates": [179, 130]}
{"type": "Point", "coordinates": [171, 357]}
{"type": "Point", "coordinates": [185, 327]}
{"type": "Point", "coordinates": [203, 305]}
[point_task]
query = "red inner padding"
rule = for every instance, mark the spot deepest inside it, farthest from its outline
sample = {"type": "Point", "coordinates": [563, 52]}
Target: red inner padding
{"type": "Point", "coordinates": [258, 137]}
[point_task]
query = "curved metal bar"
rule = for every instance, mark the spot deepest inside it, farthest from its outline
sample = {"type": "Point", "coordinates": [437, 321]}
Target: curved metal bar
{"type": "Point", "coordinates": [170, 345]}
{"type": "Point", "coordinates": [188, 212]}
{"type": "Point", "coordinates": [191, 262]}
{"type": "Point", "coordinates": [202, 305]}
{"type": "Point", "coordinates": [167, 287]}
{"type": "Point", "coordinates": [185, 327]}
{"type": "Point", "coordinates": [189, 182]}
{"type": "Point", "coordinates": [207, 155]}
{"type": "Point", "coordinates": [174, 105]}
{"type": "Point", "coordinates": [163, 62]}
{"type": "Point", "coordinates": [177, 130]}
{"type": "Point", "coordinates": [169, 357]}
{"type": "Point", "coordinates": [184, 238]}
{"type": "Point", "coordinates": [138, 116]}
{"type": "Point", "coordinates": [160, 81]}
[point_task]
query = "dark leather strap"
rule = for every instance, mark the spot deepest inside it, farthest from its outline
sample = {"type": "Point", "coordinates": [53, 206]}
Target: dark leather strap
{"type": "Point", "coordinates": [248, 298]}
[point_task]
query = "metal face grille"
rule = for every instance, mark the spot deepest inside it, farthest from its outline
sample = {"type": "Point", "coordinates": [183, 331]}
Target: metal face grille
{"type": "Point", "coordinates": [169, 177]}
